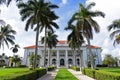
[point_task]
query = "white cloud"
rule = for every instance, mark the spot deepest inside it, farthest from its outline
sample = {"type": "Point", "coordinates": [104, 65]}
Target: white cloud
{"type": "Point", "coordinates": [64, 1]}
{"type": "Point", "coordinates": [112, 12]}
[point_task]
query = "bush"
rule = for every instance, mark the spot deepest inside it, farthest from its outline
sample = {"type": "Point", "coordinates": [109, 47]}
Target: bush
{"type": "Point", "coordinates": [75, 68]}
{"type": "Point", "coordinates": [89, 72]}
{"type": "Point", "coordinates": [22, 66]}
{"type": "Point", "coordinates": [99, 65]}
{"type": "Point", "coordinates": [51, 68]}
{"type": "Point", "coordinates": [101, 75]}
{"type": "Point", "coordinates": [30, 75]}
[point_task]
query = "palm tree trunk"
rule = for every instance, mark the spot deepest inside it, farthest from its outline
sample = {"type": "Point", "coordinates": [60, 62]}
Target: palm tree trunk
{"type": "Point", "coordinates": [45, 48]}
{"type": "Point", "coordinates": [36, 46]}
{"type": "Point", "coordinates": [90, 52]}
{"type": "Point", "coordinates": [80, 59]}
{"type": "Point", "coordinates": [49, 56]}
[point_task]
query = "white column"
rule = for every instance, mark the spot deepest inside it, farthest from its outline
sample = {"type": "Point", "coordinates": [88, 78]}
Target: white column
{"type": "Point", "coordinates": [49, 57]}
{"type": "Point", "coordinates": [43, 57]}
{"type": "Point", "coordinates": [66, 58]}
{"type": "Point", "coordinates": [57, 59]}
{"type": "Point", "coordinates": [74, 54]}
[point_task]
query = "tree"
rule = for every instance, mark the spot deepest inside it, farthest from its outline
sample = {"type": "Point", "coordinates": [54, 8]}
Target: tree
{"type": "Point", "coordinates": [116, 61]}
{"type": "Point", "coordinates": [116, 33]}
{"type": "Point", "coordinates": [7, 2]}
{"type": "Point", "coordinates": [109, 60]}
{"type": "Point", "coordinates": [85, 23]}
{"type": "Point", "coordinates": [51, 41]}
{"type": "Point", "coordinates": [7, 35]}
{"type": "Point", "coordinates": [37, 13]}
{"type": "Point", "coordinates": [31, 59]}
{"type": "Point", "coordinates": [15, 48]}
{"type": "Point", "coordinates": [75, 40]}
{"type": "Point", "coordinates": [16, 59]}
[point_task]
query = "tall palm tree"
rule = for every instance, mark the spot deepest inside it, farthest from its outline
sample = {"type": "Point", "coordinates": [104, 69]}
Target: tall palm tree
{"type": "Point", "coordinates": [7, 2]}
{"type": "Point", "coordinates": [86, 24]}
{"type": "Point", "coordinates": [116, 33]}
{"type": "Point", "coordinates": [15, 49]}
{"type": "Point", "coordinates": [75, 40]}
{"type": "Point", "coordinates": [51, 41]}
{"type": "Point", "coordinates": [37, 13]}
{"type": "Point", "coordinates": [7, 35]}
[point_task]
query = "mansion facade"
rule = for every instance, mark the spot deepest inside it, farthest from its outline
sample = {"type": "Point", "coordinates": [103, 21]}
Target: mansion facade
{"type": "Point", "coordinates": [63, 55]}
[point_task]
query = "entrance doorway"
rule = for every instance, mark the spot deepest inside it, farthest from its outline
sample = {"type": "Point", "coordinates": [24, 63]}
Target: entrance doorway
{"type": "Point", "coordinates": [62, 63]}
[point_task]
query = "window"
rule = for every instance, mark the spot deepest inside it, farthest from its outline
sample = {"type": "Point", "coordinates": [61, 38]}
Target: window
{"type": "Point", "coordinates": [53, 61]}
{"type": "Point", "coordinates": [78, 61]}
{"type": "Point", "coordinates": [70, 61]}
{"type": "Point", "coordinates": [46, 61]}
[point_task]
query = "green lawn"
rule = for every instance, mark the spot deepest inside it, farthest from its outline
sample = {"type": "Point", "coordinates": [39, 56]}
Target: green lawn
{"type": "Point", "coordinates": [7, 73]}
{"type": "Point", "coordinates": [12, 71]}
{"type": "Point", "coordinates": [113, 70]}
{"type": "Point", "coordinates": [64, 74]}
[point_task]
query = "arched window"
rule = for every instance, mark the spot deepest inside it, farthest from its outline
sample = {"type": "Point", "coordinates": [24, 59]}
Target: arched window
{"type": "Point", "coordinates": [53, 61]}
{"type": "Point", "coordinates": [78, 61]}
{"type": "Point", "coordinates": [70, 62]}
{"type": "Point", "coordinates": [46, 61]}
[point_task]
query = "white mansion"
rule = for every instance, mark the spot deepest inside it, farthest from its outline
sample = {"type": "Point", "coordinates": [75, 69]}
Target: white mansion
{"type": "Point", "coordinates": [62, 55]}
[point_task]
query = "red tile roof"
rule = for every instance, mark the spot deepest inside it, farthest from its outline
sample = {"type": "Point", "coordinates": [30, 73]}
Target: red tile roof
{"type": "Point", "coordinates": [30, 47]}
{"type": "Point", "coordinates": [92, 46]}
{"type": "Point", "coordinates": [62, 41]}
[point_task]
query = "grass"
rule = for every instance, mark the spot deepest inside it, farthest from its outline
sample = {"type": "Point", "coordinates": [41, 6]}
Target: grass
{"type": "Point", "coordinates": [64, 74]}
{"type": "Point", "coordinates": [113, 70]}
{"type": "Point", "coordinates": [12, 71]}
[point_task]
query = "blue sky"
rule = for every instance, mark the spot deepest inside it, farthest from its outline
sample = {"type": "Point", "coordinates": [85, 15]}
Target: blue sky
{"type": "Point", "coordinates": [65, 11]}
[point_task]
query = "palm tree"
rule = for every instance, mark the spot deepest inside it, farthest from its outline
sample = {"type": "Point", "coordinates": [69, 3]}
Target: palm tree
{"type": "Point", "coordinates": [51, 41]}
{"type": "Point", "coordinates": [116, 33]}
{"type": "Point", "coordinates": [86, 24]}
{"type": "Point", "coordinates": [7, 2]}
{"type": "Point", "coordinates": [37, 13]}
{"type": "Point", "coordinates": [7, 35]}
{"type": "Point", "coordinates": [15, 49]}
{"type": "Point", "coordinates": [75, 40]}
{"type": "Point", "coordinates": [16, 59]}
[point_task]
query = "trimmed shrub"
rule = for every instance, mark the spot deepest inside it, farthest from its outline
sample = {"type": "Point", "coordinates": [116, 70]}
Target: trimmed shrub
{"type": "Point", "coordinates": [101, 75]}
{"type": "Point", "coordinates": [103, 65]}
{"type": "Point", "coordinates": [75, 68]}
{"type": "Point", "coordinates": [51, 68]}
{"type": "Point", "coordinates": [22, 66]}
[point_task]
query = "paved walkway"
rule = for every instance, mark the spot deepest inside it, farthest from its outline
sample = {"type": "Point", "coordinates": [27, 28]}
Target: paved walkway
{"type": "Point", "coordinates": [49, 76]}
{"type": "Point", "coordinates": [79, 75]}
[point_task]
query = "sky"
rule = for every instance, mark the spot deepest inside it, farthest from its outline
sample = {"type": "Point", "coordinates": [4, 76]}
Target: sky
{"type": "Point", "coordinates": [66, 9]}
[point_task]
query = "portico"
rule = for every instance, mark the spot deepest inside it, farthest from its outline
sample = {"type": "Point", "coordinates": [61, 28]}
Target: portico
{"type": "Point", "coordinates": [61, 58]}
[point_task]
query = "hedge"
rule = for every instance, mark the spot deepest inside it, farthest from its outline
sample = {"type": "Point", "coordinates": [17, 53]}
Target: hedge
{"type": "Point", "coordinates": [30, 75]}
{"type": "Point", "coordinates": [101, 75]}
{"type": "Point", "coordinates": [51, 68]}
{"type": "Point", "coordinates": [75, 68]}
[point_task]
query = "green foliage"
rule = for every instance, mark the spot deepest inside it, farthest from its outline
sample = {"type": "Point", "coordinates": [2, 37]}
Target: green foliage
{"type": "Point", "coordinates": [102, 75]}
{"type": "Point", "coordinates": [50, 68]}
{"type": "Point", "coordinates": [22, 74]}
{"type": "Point", "coordinates": [31, 59]}
{"type": "Point", "coordinates": [89, 72]}
{"type": "Point", "coordinates": [105, 74]}
{"type": "Point", "coordinates": [75, 68]}
{"type": "Point", "coordinates": [7, 35]}
{"type": "Point", "coordinates": [64, 74]}
{"type": "Point", "coordinates": [22, 66]}
{"type": "Point", "coordinates": [109, 60]}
